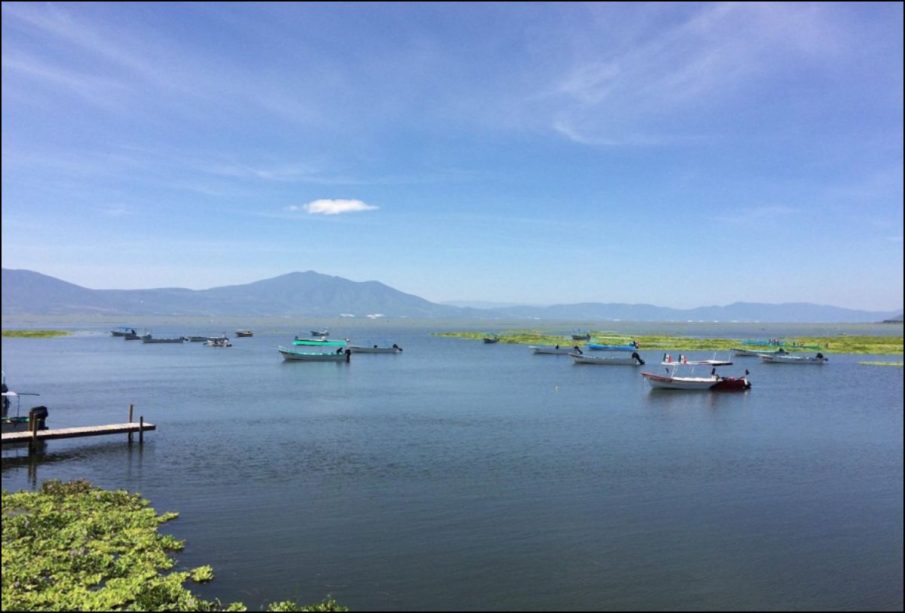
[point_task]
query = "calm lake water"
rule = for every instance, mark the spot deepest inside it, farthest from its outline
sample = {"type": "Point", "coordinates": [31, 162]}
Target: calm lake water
{"type": "Point", "coordinates": [464, 476]}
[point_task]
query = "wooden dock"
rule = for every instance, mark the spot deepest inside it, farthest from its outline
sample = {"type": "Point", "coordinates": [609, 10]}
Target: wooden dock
{"type": "Point", "coordinates": [33, 435]}
{"type": "Point", "coordinates": [44, 435]}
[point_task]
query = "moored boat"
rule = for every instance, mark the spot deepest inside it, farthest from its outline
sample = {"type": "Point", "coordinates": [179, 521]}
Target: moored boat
{"type": "Point", "coordinates": [711, 382]}
{"type": "Point", "coordinates": [375, 349]}
{"type": "Point", "coordinates": [244, 333]}
{"type": "Point", "coordinates": [291, 355]}
{"type": "Point", "coordinates": [151, 339]}
{"type": "Point", "coordinates": [34, 419]}
{"type": "Point", "coordinates": [122, 331]}
{"type": "Point", "coordinates": [318, 342]}
{"type": "Point", "coordinates": [788, 358]}
{"type": "Point", "coordinates": [633, 346]}
{"type": "Point", "coordinates": [555, 350]}
{"type": "Point", "coordinates": [218, 342]}
{"type": "Point", "coordinates": [616, 360]}
{"type": "Point", "coordinates": [489, 339]}
{"type": "Point", "coordinates": [740, 352]}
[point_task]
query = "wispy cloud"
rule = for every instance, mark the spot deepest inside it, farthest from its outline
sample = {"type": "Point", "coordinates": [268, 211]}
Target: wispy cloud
{"type": "Point", "coordinates": [332, 207]}
{"type": "Point", "coordinates": [621, 92]}
{"type": "Point", "coordinates": [757, 215]}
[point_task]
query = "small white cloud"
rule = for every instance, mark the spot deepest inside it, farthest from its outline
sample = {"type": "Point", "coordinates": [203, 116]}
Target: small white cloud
{"type": "Point", "coordinates": [334, 207]}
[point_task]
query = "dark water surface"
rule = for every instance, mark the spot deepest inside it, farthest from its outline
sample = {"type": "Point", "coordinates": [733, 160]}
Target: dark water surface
{"type": "Point", "coordinates": [464, 476]}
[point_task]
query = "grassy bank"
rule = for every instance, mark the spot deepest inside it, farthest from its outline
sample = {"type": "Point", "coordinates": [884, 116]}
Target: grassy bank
{"type": "Point", "coordinates": [75, 547]}
{"type": "Point", "coordinates": [34, 333]}
{"type": "Point", "coordinates": [878, 345]}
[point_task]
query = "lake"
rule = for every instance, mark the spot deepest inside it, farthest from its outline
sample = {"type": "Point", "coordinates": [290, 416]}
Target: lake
{"type": "Point", "coordinates": [465, 476]}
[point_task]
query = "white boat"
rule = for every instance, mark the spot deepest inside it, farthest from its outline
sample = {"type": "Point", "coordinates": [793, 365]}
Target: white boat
{"type": "Point", "coordinates": [787, 358]}
{"type": "Point", "coordinates": [667, 361]}
{"type": "Point", "coordinates": [554, 350]}
{"type": "Point", "coordinates": [615, 360]}
{"type": "Point", "coordinates": [291, 355]}
{"type": "Point", "coordinates": [218, 342]}
{"type": "Point", "coordinates": [375, 349]}
{"type": "Point", "coordinates": [712, 382]}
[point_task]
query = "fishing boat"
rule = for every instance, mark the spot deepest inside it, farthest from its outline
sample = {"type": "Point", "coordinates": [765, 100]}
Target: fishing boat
{"type": "Point", "coordinates": [578, 335]}
{"type": "Point", "coordinates": [35, 418]}
{"type": "Point", "coordinates": [319, 342]}
{"type": "Point", "coordinates": [712, 382]}
{"type": "Point", "coordinates": [632, 346]}
{"type": "Point", "coordinates": [133, 336]}
{"type": "Point", "coordinates": [244, 333]}
{"type": "Point", "coordinates": [375, 349]}
{"type": "Point", "coordinates": [741, 352]}
{"type": "Point", "coordinates": [291, 355]}
{"type": "Point", "coordinates": [554, 350]}
{"type": "Point", "coordinates": [320, 333]}
{"type": "Point", "coordinates": [489, 339]}
{"type": "Point", "coordinates": [614, 360]}
{"type": "Point", "coordinates": [683, 359]}
{"type": "Point", "coordinates": [151, 339]}
{"type": "Point", "coordinates": [122, 331]}
{"type": "Point", "coordinates": [197, 339]}
{"type": "Point", "coordinates": [218, 342]}
{"type": "Point", "coordinates": [792, 359]}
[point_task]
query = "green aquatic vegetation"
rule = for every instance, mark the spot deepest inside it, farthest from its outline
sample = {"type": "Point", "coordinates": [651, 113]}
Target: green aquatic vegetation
{"type": "Point", "coordinates": [877, 345]}
{"type": "Point", "coordinates": [34, 333]}
{"type": "Point", "coordinates": [76, 547]}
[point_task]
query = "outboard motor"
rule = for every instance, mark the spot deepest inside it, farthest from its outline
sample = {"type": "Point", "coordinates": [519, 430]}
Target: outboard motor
{"type": "Point", "coordinates": [820, 356]}
{"type": "Point", "coordinates": [39, 415]}
{"type": "Point", "coordinates": [637, 358]}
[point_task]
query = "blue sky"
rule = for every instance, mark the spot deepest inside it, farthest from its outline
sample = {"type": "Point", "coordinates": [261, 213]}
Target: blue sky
{"type": "Point", "coordinates": [674, 154]}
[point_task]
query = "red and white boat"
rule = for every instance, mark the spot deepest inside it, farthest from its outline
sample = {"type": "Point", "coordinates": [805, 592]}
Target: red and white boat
{"type": "Point", "coordinates": [711, 382]}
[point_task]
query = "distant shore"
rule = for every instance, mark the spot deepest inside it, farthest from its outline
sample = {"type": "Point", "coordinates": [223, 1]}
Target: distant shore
{"type": "Point", "coordinates": [878, 345]}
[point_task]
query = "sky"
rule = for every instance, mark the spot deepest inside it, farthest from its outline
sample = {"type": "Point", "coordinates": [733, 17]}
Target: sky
{"type": "Point", "coordinates": [676, 154]}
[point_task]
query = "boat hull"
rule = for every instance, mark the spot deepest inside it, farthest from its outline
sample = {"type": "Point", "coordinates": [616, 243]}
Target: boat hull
{"type": "Point", "coordinates": [679, 383]}
{"type": "Point", "coordinates": [300, 356]}
{"type": "Point", "coordinates": [354, 349]}
{"type": "Point", "coordinates": [791, 359]}
{"type": "Point", "coordinates": [632, 360]}
{"type": "Point", "coordinates": [553, 350]}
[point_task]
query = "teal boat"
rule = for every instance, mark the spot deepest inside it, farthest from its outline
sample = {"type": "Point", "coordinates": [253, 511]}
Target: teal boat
{"type": "Point", "coordinates": [314, 342]}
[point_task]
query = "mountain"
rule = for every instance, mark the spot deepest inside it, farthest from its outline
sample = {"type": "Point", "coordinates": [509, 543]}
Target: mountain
{"type": "Point", "coordinates": [298, 293]}
{"type": "Point", "coordinates": [311, 294]}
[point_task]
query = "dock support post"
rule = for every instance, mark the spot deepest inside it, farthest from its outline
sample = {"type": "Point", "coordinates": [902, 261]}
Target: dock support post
{"type": "Point", "coordinates": [33, 426]}
{"type": "Point", "coordinates": [130, 421]}
{"type": "Point", "coordinates": [141, 430]}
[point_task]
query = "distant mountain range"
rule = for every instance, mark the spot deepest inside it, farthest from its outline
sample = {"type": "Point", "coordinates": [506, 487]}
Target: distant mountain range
{"type": "Point", "coordinates": [312, 294]}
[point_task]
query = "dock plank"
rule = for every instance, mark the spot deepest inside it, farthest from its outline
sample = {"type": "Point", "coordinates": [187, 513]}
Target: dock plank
{"type": "Point", "coordinates": [55, 433]}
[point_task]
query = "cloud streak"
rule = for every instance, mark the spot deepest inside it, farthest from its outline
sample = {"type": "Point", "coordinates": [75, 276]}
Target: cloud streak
{"type": "Point", "coordinates": [332, 207]}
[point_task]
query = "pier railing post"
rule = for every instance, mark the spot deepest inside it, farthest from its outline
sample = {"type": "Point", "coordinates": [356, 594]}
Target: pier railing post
{"type": "Point", "coordinates": [141, 430]}
{"type": "Point", "coordinates": [130, 421]}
